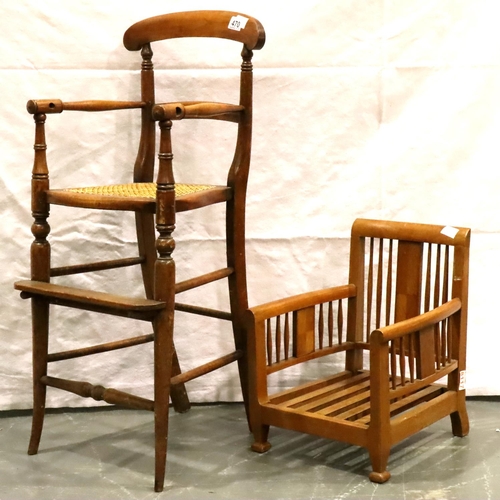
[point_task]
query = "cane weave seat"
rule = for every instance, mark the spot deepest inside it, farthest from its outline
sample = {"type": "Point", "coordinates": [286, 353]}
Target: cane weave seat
{"type": "Point", "coordinates": [137, 190]}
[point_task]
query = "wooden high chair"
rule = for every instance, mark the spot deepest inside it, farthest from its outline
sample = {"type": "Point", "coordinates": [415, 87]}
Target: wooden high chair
{"type": "Point", "coordinates": [405, 308]}
{"type": "Point", "coordinates": [155, 205]}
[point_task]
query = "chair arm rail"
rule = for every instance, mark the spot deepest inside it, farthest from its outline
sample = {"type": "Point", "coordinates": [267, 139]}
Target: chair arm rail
{"type": "Point", "coordinates": [52, 106]}
{"type": "Point", "coordinates": [302, 301]}
{"type": "Point", "coordinates": [196, 109]}
{"type": "Point", "coordinates": [417, 323]}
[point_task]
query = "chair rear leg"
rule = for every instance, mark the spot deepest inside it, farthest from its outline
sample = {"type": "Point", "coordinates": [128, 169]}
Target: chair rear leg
{"type": "Point", "coordinates": [178, 393]}
{"type": "Point", "coordinates": [238, 297]}
{"type": "Point", "coordinates": [40, 319]}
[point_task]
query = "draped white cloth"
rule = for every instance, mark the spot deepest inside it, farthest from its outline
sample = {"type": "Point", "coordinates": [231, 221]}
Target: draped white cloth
{"type": "Point", "coordinates": [375, 108]}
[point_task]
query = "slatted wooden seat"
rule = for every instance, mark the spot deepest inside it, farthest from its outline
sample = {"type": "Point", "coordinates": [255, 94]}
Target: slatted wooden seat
{"type": "Point", "coordinates": [405, 308]}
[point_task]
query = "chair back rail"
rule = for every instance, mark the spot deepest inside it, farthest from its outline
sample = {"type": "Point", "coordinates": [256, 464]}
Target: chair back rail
{"type": "Point", "coordinates": [208, 23]}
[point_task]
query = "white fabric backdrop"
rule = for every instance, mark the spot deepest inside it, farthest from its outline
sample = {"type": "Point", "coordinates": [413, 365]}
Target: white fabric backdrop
{"type": "Point", "coordinates": [380, 108]}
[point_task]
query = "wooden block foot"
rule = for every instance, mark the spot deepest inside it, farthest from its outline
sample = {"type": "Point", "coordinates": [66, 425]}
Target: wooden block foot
{"type": "Point", "coordinates": [379, 477]}
{"type": "Point", "coordinates": [261, 447]}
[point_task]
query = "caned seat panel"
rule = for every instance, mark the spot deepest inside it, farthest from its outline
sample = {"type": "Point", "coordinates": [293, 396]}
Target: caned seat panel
{"type": "Point", "coordinates": [138, 196]}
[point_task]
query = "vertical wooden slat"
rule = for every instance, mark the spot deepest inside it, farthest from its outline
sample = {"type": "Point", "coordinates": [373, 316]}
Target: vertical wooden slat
{"type": "Point", "coordinates": [330, 323]}
{"type": "Point", "coordinates": [437, 277]}
{"type": "Point", "coordinates": [427, 300]}
{"type": "Point", "coordinates": [449, 339]}
{"type": "Point", "coordinates": [287, 336]}
{"type": "Point", "coordinates": [321, 326]}
{"type": "Point", "coordinates": [411, 356]}
{"type": "Point", "coordinates": [444, 298]}
{"type": "Point", "coordinates": [269, 342]}
{"type": "Point", "coordinates": [378, 309]}
{"type": "Point", "coordinates": [369, 293]}
{"type": "Point", "coordinates": [436, 296]}
{"type": "Point", "coordinates": [446, 275]}
{"type": "Point", "coordinates": [388, 286]}
{"type": "Point", "coordinates": [393, 363]}
{"type": "Point", "coordinates": [437, 344]}
{"type": "Point", "coordinates": [402, 357]}
{"type": "Point", "coordinates": [444, 340]}
{"type": "Point", "coordinates": [278, 339]}
{"type": "Point", "coordinates": [340, 322]}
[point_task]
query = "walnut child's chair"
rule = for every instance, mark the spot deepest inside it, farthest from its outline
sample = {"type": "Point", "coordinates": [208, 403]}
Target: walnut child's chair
{"type": "Point", "coordinates": [155, 205]}
{"type": "Point", "coordinates": [405, 306]}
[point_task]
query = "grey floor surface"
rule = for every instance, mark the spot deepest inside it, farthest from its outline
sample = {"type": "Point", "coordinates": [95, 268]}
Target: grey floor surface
{"type": "Point", "coordinates": [109, 455]}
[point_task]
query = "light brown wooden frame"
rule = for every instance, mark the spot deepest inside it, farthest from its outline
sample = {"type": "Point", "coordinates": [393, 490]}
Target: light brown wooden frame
{"type": "Point", "coordinates": [406, 305]}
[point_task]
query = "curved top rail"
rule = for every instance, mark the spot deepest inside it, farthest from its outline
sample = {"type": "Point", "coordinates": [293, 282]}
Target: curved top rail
{"type": "Point", "coordinates": [410, 231]}
{"type": "Point", "coordinates": [201, 23]}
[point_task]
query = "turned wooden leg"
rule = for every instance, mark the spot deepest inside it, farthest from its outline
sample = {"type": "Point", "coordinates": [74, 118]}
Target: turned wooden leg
{"type": "Point", "coordinates": [40, 312]}
{"type": "Point", "coordinates": [40, 271]}
{"type": "Point", "coordinates": [164, 291]}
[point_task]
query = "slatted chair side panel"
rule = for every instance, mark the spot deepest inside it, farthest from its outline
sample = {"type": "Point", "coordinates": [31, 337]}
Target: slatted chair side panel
{"type": "Point", "coordinates": [418, 364]}
{"type": "Point", "coordinates": [424, 282]}
{"type": "Point", "coordinates": [305, 334]}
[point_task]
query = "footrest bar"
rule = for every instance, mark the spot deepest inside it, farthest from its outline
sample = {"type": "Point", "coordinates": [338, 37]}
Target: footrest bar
{"type": "Point", "coordinates": [206, 368]}
{"type": "Point", "coordinates": [99, 393]}
{"type": "Point", "coordinates": [96, 266]}
{"type": "Point", "coordinates": [204, 279]}
{"type": "Point", "coordinates": [203, 311]}
{"type": "Point", "coordinates": [96, 349]}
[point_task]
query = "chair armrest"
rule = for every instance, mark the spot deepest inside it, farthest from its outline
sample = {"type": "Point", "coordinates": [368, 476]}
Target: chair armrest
{"type": "Point", "coordinates": [417, 323]}
{"type": "Point", "coordinates": [197, 109]}
{"type": "Point", "coordinates": [49, 106]}
{"type": "Point", "coordinates": [301, 301]}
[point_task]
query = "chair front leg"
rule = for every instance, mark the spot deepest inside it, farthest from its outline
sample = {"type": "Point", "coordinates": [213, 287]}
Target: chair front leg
{"type": "Point", "coordinates": [40, 271]}
{"type": "Point", "coordinates": [164, 291]}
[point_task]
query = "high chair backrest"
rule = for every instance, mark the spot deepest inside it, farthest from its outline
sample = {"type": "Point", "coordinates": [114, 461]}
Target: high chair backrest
{"type": "Point", "coordinates": [211, 24]}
